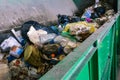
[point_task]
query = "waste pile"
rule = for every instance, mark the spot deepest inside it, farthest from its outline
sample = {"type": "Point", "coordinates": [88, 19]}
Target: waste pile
{"type": "Point", "coordinates": [33, 50]}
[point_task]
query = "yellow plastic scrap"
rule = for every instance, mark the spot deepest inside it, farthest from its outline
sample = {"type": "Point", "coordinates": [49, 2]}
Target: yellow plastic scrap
{"type": "Point", "coordinates": [92, 29]}
{"type": "Point", "coordinates": [74, 26]}
{"type": "Point", "coordinates": [67, 27]}
{"type": "Point", "coordinates": [91, 25]}
{"type": "Point", "coordinates": [83, 22]}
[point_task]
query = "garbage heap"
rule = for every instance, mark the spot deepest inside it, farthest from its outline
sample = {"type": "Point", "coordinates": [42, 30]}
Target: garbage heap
{"type": "Point", "coordinates": [33, 50]}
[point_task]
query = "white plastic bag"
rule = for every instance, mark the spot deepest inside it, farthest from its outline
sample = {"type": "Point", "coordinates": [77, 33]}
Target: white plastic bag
{"type": "Point", "coordinates": [34, 35]}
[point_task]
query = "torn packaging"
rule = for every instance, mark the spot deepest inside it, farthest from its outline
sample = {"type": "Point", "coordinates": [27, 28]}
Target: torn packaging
{"type": "Point", "coordinates": [50, 48]}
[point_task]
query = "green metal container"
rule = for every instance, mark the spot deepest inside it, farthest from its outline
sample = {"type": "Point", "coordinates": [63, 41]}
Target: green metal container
{"type": "Point", "coordinates": [94, 59]}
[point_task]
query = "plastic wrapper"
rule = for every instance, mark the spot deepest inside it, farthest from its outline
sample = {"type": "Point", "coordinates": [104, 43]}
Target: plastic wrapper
{"type": "Point", "coordinates": [9, 43]}
{"type": "Point", "coordinates": [70, 46]}
{"type": "Point", "coordinates": [61, 57]}
{"type": "Point", "coordinates": [61, 40]}
{"type": "Point", "coordinates": [63, 19]}
{"type": "Point", "coordinates": [88, 12]}
{"type": "Point", "coordinates": [68, 35]}
{"type": "Point", "coordinates": [109, 13]}
{"type": "Point", "coordinates": [46, 38]}
{"type": "Point", "coordinates": [101, 21]}
{"type": "Point", "coordinates": [16, 51]}
{"type": "Point", "coordinates": [32, 72]}
{"type": "Point", "coordinates": [50, 48]}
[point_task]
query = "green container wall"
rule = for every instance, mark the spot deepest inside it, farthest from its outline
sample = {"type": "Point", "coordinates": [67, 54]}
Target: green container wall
{"type": "Point", "coordinates": [94, 59]}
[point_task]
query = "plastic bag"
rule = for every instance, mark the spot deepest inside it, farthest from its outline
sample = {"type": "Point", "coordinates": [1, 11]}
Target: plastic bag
{"type": "Point", "coordinates": [33, 56]}
{"type": "Point", "coordinates": [26, 26]}
{"type": "Point", "coordinates": [34, 35]}
{"type": "Point", "coordinates": [40, 36]}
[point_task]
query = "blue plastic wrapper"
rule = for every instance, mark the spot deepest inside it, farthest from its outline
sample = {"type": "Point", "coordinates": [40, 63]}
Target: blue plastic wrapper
{"type": "Point", "coordinates": [52, 42]}
{"type": "Point", "coordinates": [55, 29]}
{"type": "Point", "coordinates": [54, 62]}
{"type": "Point", "coordinates": [48, 29]}
{"type": "Point", "coordinates": [63, 19]}
{"type": "Point", "coordinates": [10, 58]}
{"type": "Point", "coordinates": [100, 10]}
{"type": "Point", "coordinates": [60, 50]}
{"type": "Point", "coordinates": [17, 52]}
